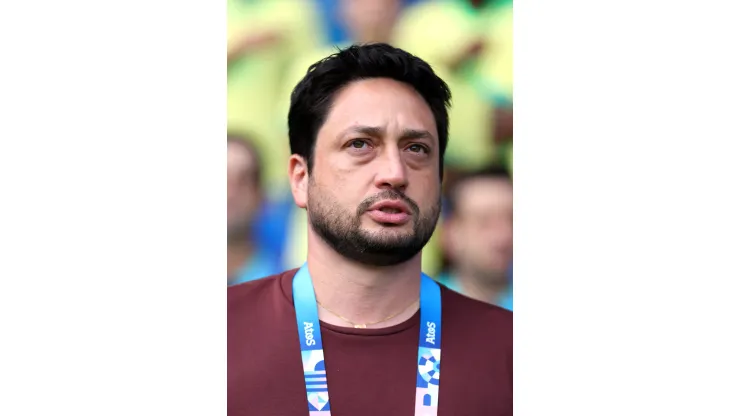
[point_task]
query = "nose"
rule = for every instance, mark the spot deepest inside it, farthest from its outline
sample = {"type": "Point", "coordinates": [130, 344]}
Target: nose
{"type": "Point", "coordinates": [391, 171]}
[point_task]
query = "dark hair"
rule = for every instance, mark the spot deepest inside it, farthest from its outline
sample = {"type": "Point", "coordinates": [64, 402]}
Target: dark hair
{"type": "Point", "coordinates": [488, 172]}
{"type": "Point", "coordinates": [312, 98]}
{"type": "Point", "coordinates": [245, 142]}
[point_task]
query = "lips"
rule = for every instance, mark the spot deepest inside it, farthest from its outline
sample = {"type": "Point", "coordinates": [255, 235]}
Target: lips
{"type": "Point", "coordinates": [389, 212]}
{"type": "Point", "coordinates": [390, 207]}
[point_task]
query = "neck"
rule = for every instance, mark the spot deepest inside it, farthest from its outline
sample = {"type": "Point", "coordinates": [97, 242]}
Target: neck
{"type": "Point", "coordinates": [237, 254]}
{"type": "Point", "coordinates": [362, 293]}
{"type": "Point", "coordinates": [485, 288]}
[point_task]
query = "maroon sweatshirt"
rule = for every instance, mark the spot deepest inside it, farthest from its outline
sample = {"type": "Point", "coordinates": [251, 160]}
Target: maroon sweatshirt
{"type": "Point", "coordinates": [370, 372]}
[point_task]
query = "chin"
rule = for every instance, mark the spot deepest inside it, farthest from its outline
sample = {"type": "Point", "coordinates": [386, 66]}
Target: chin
{"type": "Point", "coordinates": [371, 225]}
{"type": "Point", "coordinates": [389, 229]}
{"type": "Point", "coordinates": [388, 233]}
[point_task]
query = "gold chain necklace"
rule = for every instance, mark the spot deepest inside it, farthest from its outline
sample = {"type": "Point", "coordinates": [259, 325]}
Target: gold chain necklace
{"type": "Point", "coordinates": [369, 323]}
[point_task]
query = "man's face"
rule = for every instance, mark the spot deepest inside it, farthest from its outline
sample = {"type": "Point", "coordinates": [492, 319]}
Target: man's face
{"type": "Point", "coordinates": [242, 191]}
{"type": "Point", "coordinates": [481, 230]}
{"type": "Point", "coordinates": [374, 192]}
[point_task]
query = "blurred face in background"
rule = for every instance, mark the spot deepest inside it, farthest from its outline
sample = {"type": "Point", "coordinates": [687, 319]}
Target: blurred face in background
{"type": "Point", "coordinates": [369, 20]}
{"type": "Point", "coordinates": [243, 190]}
{"type": "Point", "coordinates": [378, 145]}
{"type": "Point", "coordinates": [480, 236]}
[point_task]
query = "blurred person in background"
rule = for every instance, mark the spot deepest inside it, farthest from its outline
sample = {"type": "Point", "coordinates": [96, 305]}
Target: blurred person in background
{"type": "Point", "coordinates": [493, 72]}
{"type": "Point", "coordinates": [335, 26]}
{"type": "Point", "coordinates": [368, 129]}
{"type": "Point", "coordinates": [474, 54]}
{"type": "Point", "coordinates": [246, 259]}
{"type": "Point", "coordinates": [370, 21]}
{"type": "Point", "coordinates": [478, 237]}
{"type": "Point", "coordinates": [450, 35]}
{"type": "Point", "coordinates": [263, 37]}
{"type": "Point", "coordinates": [361, 22]}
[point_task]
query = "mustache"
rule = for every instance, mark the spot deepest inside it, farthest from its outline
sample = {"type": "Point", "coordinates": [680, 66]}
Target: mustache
{"type": "Point", "coordinates": [388, 194]}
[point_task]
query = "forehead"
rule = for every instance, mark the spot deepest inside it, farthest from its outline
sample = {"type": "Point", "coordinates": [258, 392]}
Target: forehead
{"type": "Point", "coordinates": [381, 102]}
{"type": "Point", "coordinates": [485, 195]}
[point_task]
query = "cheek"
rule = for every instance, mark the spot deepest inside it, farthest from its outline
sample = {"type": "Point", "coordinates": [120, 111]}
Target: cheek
{"type": "Point", "coordinates": [426, 177]}
{"type": "Point", "coordinates": [348, 185]}
{"type": "Point", "coordinates": [426, 195]}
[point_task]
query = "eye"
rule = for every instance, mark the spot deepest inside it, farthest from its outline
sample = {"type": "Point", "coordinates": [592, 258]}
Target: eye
{"type": "Point", "coordinates": [418, 148]}
{"type": "Point", "coordinates": [358, 144]}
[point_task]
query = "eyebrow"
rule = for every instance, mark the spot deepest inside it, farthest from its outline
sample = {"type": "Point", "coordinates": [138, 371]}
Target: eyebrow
{"type": "Point", "coordinates": [375, 131]}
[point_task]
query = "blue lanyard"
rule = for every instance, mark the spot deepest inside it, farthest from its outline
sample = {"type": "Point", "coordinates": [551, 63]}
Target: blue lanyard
{"type": "Point", "coordinates": [312, 351]}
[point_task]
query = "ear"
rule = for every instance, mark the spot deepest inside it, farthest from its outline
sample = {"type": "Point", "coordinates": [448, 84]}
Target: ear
{"type": "Point", "coordinates": [298, 175]}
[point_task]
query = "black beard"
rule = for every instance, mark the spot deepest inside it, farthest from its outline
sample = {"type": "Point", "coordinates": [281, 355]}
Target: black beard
{"type": "Point", "coordinates": [342, 231]}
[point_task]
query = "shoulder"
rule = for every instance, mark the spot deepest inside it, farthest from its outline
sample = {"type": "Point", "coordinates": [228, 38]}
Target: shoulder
{"type": "Point", "coordinates": [249, 294]}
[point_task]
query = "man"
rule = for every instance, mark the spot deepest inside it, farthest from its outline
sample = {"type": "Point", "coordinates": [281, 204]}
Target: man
{"type": "Point", "coordinates": [478, 236]}
{"type": "Point", "coordinates": [368, 128]}
{"type": "Point", "coordinates": [365, 21]}
{"type": "Point", "coordinates": [245, 260]}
